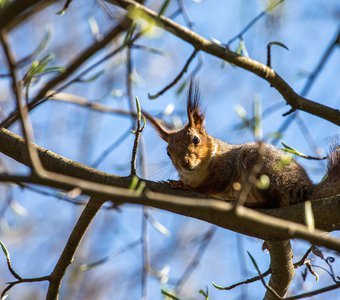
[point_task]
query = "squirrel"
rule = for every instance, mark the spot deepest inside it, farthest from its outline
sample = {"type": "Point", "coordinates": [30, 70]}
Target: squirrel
{"type": "Point", "coordinates": [221, 170]}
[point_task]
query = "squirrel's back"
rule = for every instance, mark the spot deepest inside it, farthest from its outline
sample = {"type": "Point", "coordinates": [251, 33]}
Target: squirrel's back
{"type": "Point", "coordinates": [273, 178]}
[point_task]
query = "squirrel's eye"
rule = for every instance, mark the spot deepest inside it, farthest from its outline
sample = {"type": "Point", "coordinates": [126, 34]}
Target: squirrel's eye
{"type": "Point", "coordinates": [196, 140]}
{"type": "Point", "coordinates": [168, 153]}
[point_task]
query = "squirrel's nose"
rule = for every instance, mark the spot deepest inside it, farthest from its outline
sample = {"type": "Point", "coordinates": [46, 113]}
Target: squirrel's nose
{"type": "Point", "coordinates": [185, 163]}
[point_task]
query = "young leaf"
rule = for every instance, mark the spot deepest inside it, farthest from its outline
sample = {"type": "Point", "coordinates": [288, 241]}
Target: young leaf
{"type": "Point", "coordinates": [158, 226]}
{"type": "Point", "coordinates": [4, 250]}
{"type": "Point", "coordinates": [134, 182]}
{"type": "Point", "coordinates": [219, 287]}
{"type": "Point", "coordinates": [205, 293]}
{"type": "Point", "coordinates": [168, 295]}
{"type": "Point", "coordinates": [289, 149]}
{"type": "Point", "coordinates": [91, 78]}
{"type": "Point", "coordinates": [182, 87]}
{"type": "Point", "coordinates": [279, 44]}
{"type": "Point", "coordinates": [254, 262]}
{"type": "Point", "coordinates": [241, 49]}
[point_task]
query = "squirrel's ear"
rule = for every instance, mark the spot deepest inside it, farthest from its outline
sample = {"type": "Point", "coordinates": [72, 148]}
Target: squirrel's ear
{"type": "Point", "coordinates": [194, 107]}
{"type": "Point", "coordinates": [163, 133]}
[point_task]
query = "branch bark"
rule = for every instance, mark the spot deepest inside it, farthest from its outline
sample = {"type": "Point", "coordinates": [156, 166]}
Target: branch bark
{"type": "Point", "coordinates": [282, 267]}
{"type": "Point", "coordinates": [292, 98]}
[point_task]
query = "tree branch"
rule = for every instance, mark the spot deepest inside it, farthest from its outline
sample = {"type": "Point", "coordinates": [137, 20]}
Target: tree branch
{"type": "Point", "coordinates": [14, 9]}
{"type": "Point", "coordinates": [67, 256]}
{"type": "Point", "coordinates": [282, 267]}
{"type": "Point", "coordinates": [246, 221]}
{"type": "Point", "coordinates": [200, 43]}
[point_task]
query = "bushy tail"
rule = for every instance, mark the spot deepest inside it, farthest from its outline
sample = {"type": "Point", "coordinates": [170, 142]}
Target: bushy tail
{"type": "Point", "coordinates": [330, 185]}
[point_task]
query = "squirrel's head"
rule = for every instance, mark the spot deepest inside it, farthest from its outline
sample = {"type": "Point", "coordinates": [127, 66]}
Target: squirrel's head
{"type": "Point", "coordinates": [190, 148]}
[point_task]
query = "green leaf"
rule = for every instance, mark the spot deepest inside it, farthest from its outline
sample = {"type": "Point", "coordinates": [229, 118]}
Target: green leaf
{"type": "Point", "coordinates": [150, 49]}
{"type": "Point", "coordinates": [54, 69]}
{"type": "Point", "coordinates": [241, 49]}
{"type": "Point", "coordinates": [291, 150]}
{"type": "Point", "coordinates": [140, 187]}
{"type": "Point", "coordinates": [139, 113]}
{"type": "Point", "coordinates": [241, 112]}
{"type": "Point", "coordinates": [4, 250]}
{"type": "Point", "coordinates": [254, 262]}
{"type": "Point", "coordinates": [205, 293]}
{"type": "Point", "coordinates": [130, 32]}
{"type": "Point", "coordinates": [309, 216]}
{"type": "Point", "coordinates": [169, 295]}
{"type": "Point", "coordinates": [219, 287]}
{"type": "Point", "coordinates": [92, 78]}
{"type": "Point", "coordinates": [158, 226]}
{"type": "Point", "coordinates": [182, 87]}
{"type": "Point", "coordinates": [279, 44]}
{"type": "Point", "coordinates": [134, 182]}
{"type": "Point", "coordinates": [163, 8]}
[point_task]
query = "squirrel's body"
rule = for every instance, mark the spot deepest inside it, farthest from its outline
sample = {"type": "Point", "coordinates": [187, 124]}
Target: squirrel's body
{"type": "Point", "coordinates": [225, 171]}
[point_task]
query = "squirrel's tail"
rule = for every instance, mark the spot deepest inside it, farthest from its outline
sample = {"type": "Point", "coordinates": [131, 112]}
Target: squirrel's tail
{"type": "Point", "coordinates": [330, 185]}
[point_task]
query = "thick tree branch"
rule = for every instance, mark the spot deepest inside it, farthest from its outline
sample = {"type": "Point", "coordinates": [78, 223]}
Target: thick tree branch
{"type": "Point", "coordinates": [245, 221]}
{"type": "Point", "coordinates": [200, 43]}
{"type": "Point", "coordinates": [282, 267]}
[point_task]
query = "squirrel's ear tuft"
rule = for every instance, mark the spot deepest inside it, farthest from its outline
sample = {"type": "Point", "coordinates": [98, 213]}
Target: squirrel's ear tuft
{"type": "Point", "coordinates": [163, 133]}
{"type": "Point", "coordinates": [194, 106]}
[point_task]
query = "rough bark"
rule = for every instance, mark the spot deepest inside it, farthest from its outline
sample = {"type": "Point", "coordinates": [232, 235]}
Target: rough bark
{"type": "Point", "coordinates": [281, 264]}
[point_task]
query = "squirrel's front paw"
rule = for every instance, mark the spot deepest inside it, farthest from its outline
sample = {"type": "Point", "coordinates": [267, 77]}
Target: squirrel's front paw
{"type": "Point", "coordinates": [177, 185]}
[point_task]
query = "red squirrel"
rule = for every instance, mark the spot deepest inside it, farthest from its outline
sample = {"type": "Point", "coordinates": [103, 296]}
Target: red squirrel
{"type": "Point", "coordinates": [222, 170]}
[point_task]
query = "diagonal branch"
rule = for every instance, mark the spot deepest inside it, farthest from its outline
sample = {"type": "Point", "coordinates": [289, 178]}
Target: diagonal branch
{"type": "Point", "coordinates": [14, 9]}
{"type": "Point", "coordinates": [292, 98]}
{"type": "Point", "coordinates": [67, 256]}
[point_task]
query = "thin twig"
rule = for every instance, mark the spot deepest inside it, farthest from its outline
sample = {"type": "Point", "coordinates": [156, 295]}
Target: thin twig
{"type": "Point", "coordinates": [268, 272]}
{"type": "Point", "coordinates": [23, 280]}
{"type": "Point", "coordinates": [137, 132]}
{"type": "Point", "coordinates": [269, 288]}
{"type": "Point", "coordinates": [177, 78]}
{"type": "Point", "coordinates": [184, 13]}
{"type": "Point", "coordinates": [77, 100]}
{"type": "Point", "coordinates": [315, 292]}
